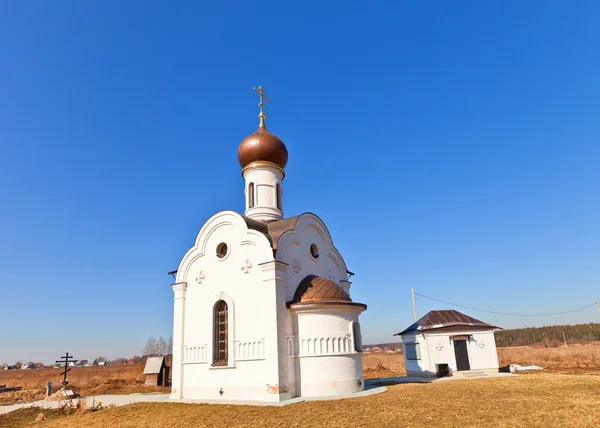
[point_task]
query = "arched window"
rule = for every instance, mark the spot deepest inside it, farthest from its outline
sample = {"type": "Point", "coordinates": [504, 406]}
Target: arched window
{"type": "Point", "coordinates": [220, 342]}
{"type": "Point", "coordinates": [251, 195]}
{"type": "Point", "coordinates": [278, 194]}
{"type": "Point", "coordinates": [357, 337]}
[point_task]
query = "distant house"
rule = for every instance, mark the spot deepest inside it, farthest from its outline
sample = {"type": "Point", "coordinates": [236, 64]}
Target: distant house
{"type": "Point", "coordinates": [444, 342]}
{"type": "Point", "coordinates": [101, 363]}
{"type": "Point", "coordinates": [156, 372]}
{"type": "Point", "coordinates": [28, 366]}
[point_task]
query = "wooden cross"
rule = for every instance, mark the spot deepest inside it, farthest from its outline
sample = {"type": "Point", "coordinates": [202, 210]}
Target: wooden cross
{"type": "Point", "coordinates": [66, 359]}
{"type": "Point", "coordinates": [261, 93]}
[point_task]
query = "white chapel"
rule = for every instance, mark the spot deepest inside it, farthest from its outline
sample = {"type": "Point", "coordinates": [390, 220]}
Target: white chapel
{"type": "Point", "coordinates": [262, 307]}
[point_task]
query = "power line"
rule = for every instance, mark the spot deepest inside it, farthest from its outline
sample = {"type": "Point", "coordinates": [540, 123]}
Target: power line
{"type": "Point", "coordinates": [505, 313]}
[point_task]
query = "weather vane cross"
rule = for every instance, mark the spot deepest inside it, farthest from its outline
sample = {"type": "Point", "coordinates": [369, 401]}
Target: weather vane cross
{"type": "Point", "coordinates": [261, 93]}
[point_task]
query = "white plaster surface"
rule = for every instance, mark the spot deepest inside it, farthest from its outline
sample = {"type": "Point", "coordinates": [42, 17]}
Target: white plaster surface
{"type": "Point", "coordinates": [274, 353]}
{"type": "Point", "coordinates": [438, 348]}
{"type": "Point", "coordinates": [265, 179]}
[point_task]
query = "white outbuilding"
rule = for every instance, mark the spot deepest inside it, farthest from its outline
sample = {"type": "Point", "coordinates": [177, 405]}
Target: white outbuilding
{"type": "Point", "coordinates": [262, 307]}
{"type": "Point", "coordinates": [449, 342]}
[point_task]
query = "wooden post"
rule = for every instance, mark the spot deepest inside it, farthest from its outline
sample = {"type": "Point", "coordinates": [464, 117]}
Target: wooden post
{"type": "Point", "coordinates": [415, 308]}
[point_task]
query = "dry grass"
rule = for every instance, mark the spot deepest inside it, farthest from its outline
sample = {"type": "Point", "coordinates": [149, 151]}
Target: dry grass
{"type": "Point", "coordinates": [543, 400]}
{"type": "Point", "coordinates": [80, 376]}
{"type": "Point", "coordinates": [383, 365]}
{"type": "Point", "coordinates": [125, 379]}
{"type": "Point", "coordinates": [547, 400]}
{"type": "Point", "coordinates": [576, 357]}
{"type": "Point", "coordinates": [116, 379]}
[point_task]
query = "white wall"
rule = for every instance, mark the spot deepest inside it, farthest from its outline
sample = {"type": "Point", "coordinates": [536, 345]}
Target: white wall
{"type": "Point", "coordinates": [265, 361]}
{"type": "Point", "coordinates": [294, 249]}
{"type": "Point", "coordinates": [325, 370]}
{"type": "Point", "coordinates": [438, 348]}
{"type": "Point", "coordinates": [322, 349]}
{"type": "Point", "coordinates": [265, 179]}
{"type": "Point", "coordinates": [238, 279]}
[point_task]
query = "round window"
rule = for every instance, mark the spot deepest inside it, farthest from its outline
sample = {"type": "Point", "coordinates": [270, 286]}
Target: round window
{"type": "Point", "coordinates": [314, 251]}
{"type": "Point", "coordinates": [222, 250]}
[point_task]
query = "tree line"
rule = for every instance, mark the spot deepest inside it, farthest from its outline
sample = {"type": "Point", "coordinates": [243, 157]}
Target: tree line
{"type": "Point", "coordinates": [548, 336]}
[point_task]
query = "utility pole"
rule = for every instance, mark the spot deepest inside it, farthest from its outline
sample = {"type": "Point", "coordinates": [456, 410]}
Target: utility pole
{"type": "Point", "coordinates": [415, 308]}
{"type": "Point", "coordinates": [598, 303]}
{"type": "Point", "coordinates": [565, 339]}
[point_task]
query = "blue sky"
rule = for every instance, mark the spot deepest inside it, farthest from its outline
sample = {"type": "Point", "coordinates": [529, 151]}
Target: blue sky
{"type": "Point", "coordinates": [448, 147]}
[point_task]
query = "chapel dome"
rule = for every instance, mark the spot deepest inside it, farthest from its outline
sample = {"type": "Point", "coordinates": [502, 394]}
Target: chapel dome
{"type": "Point", "coordinates": [262, 146]}
{"type": "Point", "coordinates": [314, 289]}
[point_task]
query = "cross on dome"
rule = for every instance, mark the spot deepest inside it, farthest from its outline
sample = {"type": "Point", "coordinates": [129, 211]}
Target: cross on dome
{"type": "Point", "coordinates": [262, 95]}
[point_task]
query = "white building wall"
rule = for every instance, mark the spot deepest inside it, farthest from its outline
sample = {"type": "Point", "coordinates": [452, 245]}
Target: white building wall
{"type": "Point", "coordinates": [294, 249]}
{"type": "Point", "coordinates": [438, 348]}
{"type": "Point", "coordinates": [265, 178]}
{"type": "Point", "coordinates": [273, 353]}
{"type": "Point", "coordinates": [420, 367]}
{"type": "Point", "coordinates": [323, 351]}
{"type": "Point", "coordinates": [238, 279]}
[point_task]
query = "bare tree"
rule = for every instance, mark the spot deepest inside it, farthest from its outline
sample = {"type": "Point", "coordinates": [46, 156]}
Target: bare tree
{"type": "Point", "coordinates": [170, 346]}
{"type": "Point", "coordinates": [137, 359]}
{"type": "Point", "coordinates": [161, 346]}
{"type": "Point", "coordinates": [150, 348]}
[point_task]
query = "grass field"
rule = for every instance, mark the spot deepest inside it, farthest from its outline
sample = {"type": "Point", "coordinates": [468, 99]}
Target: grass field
{"type": "Point", "coordinates": [549, 399]}
{"type": "Point", "coordinates": [584, 357]}
{"type": "Point", "coordinates": [116, 379]}
{"type": "Point", "coordinates": [546, 400]}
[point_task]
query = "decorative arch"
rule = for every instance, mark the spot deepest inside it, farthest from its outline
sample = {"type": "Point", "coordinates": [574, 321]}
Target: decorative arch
{"type": "Point", "coordinates": [329, 264]}
{"type": "Point", "coordinates": [220, 333]}
{"type": "Point", "coordinates": [310, 221]}
{"type": "Point", "coordinates": [246, 236]}
{"type": "Point", "coordinates": [223, 330]}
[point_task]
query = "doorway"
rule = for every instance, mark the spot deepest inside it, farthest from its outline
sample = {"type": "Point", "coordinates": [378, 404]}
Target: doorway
{"type": "Point", "coordinates": [462, 356]}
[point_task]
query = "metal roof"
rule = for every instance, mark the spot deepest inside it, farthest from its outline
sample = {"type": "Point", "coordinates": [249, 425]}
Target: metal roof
{"type": "Point", "coordinates": [447, 318]}
{"type": "Point", "coordinates": [153, 365]}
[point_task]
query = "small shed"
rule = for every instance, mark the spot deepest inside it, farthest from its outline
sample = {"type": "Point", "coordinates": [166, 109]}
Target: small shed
{"type": "Point", "coordinates": [448, 342]}
{"type": "Point", "coordinates": [156, 372]}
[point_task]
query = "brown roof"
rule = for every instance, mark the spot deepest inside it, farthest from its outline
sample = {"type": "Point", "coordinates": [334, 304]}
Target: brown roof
{"type": "Point", "coordinates": [314, 289]}
{"type": "Point", "coordinates": [279, 227]}
{"type": "Point", "coordinates": [272, 230]}
{"type": "Point", "coordinates": [259, 227]}
{"type": "Point", "coordinates": [435, 320]}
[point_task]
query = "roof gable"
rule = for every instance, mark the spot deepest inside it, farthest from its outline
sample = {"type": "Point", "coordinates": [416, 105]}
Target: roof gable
{"type": "Point", "coordinates": [434, 320]}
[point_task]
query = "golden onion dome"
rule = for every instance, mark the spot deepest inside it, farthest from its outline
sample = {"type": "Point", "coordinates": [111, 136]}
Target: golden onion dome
{"type": "Point", "coordinates": [262, 146]}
